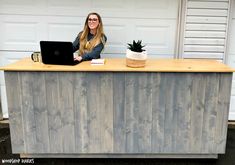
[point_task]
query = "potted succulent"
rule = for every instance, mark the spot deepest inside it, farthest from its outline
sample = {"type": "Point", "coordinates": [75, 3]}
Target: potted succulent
{"type": "Point", "coordinates": [135, 55]}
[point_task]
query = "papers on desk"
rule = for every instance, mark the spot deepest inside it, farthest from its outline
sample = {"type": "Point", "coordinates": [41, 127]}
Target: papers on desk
{"type": "Point", "coordinates": [97, 61]}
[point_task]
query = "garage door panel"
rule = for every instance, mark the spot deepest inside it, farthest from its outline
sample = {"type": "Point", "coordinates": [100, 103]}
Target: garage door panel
{"type": "Point", "coordinates": [63, 28]}
{"type": "Point", "coordinates": [159, 7]}
{"type": "Point", "coordinates": [69, 3]}
{"type": "Point", "coordinates": [14, 35]}
{"type": "Point", "coordinates": [109, 4]}
{"type": "Point", "coordinates": [117, 37]}
{"type": "Point", "coordinates": [21, 3]}
{"type": "Point", "coordinates": [20, 33]}
{"type": "Point", "coordinates": [25, 33]}
{"type": "Point", "coordinates": [66, 31]}
{"type": "Point", "coordinates": [138, 9]}
{"type": "Point", "coordinates": [123, 20]}
{"type": "Point", "coordinates": [23, 7]}
{"type": "Point", "coordinates": [107, 8]}
{"type": "Point", "coordinates": [157, 36]}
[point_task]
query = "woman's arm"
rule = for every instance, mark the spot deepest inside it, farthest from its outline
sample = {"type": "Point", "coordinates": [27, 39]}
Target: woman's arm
{"type": "Point", "coordinates": [76, 43]}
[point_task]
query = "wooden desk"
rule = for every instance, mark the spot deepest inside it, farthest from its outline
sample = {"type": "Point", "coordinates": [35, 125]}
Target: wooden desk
{"type": "Point", "coordinates": [119, 65]}
{"type": "Point", "coordinates": [170, 108]}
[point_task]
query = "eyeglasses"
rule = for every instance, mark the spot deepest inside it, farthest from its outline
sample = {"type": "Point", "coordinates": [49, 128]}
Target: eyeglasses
{"type": "Point", "coordinates": [92, 19]}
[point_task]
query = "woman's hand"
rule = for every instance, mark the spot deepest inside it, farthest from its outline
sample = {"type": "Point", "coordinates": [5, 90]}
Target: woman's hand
{"type": "Point", "coordinates": [78, 58]}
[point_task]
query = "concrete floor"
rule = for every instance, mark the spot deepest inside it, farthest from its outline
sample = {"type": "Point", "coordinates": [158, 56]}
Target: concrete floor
{"type": "Point", "coordinates": [226, 159]}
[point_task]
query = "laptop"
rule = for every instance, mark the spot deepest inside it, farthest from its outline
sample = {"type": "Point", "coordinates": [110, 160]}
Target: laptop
{"type": "Point", "coordinates": [57, 52]}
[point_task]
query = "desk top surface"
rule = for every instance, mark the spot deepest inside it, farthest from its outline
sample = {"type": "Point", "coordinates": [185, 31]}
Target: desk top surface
{"type": "Point", "coordinates": [119, 65]}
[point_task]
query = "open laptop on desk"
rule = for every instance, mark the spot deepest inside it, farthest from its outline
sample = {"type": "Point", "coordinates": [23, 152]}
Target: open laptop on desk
{"type": "Point", "coordinates": [57, 52]}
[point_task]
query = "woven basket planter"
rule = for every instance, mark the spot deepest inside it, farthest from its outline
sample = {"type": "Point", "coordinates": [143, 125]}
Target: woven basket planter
{"type": "Point", "coordinates": [135, 59]}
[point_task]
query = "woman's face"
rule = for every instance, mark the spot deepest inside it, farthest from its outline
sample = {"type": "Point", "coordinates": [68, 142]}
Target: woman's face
{"type": "Point", "coordinates": [93, 22]}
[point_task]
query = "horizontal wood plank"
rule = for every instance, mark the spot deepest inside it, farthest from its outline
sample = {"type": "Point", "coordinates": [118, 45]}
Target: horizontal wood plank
{"type": "Point", "coordinates": [208, 4]}
{"type": "Point", "coordinates": [203, 55]}
{"type": "Point", "coordinates": [205, 34]}
{"type": "Point", "coordinates": [206, 27]}
{"type": "Point", "coordinates": [204, 41]}
{"type": "Point", "coordinates": [119, 65]}
{"type": "Point", "coordinates": [207, 20]}
{"type": "Point", "coordinates": [202, 48]}
{"type": "Point", "coordinates": [207, 12]}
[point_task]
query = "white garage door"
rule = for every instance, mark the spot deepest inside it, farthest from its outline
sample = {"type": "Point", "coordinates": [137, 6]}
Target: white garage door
{"type": "Point", "coordinates": [23, 23]}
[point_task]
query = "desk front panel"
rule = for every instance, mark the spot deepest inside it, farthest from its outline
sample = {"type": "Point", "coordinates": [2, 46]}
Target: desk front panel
{"type": "Point", "coordinates": [118, 112]}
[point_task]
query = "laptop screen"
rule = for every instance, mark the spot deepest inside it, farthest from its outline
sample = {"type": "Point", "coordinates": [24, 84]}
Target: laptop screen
{"type": "Point", "coordinates": [57, 52]}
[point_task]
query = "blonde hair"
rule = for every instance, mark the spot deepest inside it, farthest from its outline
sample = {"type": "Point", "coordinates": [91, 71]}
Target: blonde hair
{"type": "Point", "coordinates": [85, 45]}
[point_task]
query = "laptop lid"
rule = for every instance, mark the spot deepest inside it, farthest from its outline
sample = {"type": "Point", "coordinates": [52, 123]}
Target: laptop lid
{"type": "Point", "coordinates": [57, 52]}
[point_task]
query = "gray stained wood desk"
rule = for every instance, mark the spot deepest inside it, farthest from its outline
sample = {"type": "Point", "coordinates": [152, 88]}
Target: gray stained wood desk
{"type": "Point", "coordinates": [171, 108]}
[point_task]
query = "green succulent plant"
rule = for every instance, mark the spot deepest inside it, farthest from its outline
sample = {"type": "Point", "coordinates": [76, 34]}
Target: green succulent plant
{"type": "Point", "coordinates": [136, 46]}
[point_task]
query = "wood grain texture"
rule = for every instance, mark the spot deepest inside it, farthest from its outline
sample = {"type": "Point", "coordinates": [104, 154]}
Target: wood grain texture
{"type": "Point", "coordinates": [80, 116]}
{"type": "Point", "coordinates": [119, 65]}
{"type": "Point", "coordinates": [182, 105]}
{"type": "Point", "coordinates": [13, 87]}
{"type": "Point", "coordinates": [40, 112]}
{"type": "Point", "coordinates": [119, 112]}
{"type": "Point", "coordinates": [54, 112]}
{"type": "Point", "coordinates": [106, 112]}
{"type": "Point", "coordinates": [28, 111]}
{"type": "Point", "coordinates": [131, 112]}
{"type": "Point", "coordinates": [222, 116]}
{"type": "Point", "coordinates": [158, 114]}
{"type": "Point", "coordinates": [197, 111]}
{"type": "Point", "coordinates": [66, 86]}
{"type": "Point", "coordinates": [167, 98]}
{"type": "Point", "coordinates": [144, 104]}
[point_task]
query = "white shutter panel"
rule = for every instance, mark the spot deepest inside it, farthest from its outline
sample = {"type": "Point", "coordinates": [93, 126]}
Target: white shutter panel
{"type": "Point", "coordinates": [205, 29]}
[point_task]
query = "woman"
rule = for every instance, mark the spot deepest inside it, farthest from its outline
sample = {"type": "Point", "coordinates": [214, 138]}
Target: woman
{"type": "Point", "coordinates": [90, 42]}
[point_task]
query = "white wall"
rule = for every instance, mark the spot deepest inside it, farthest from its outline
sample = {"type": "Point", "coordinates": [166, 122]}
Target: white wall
{"type": "Point", "coordinates": [231, 59]}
